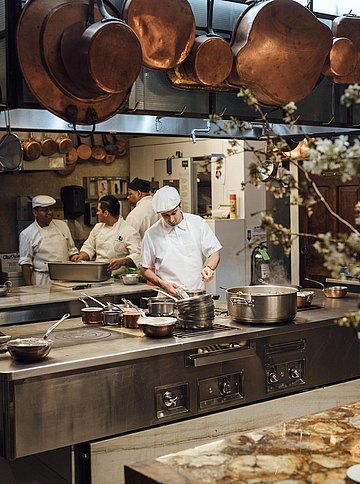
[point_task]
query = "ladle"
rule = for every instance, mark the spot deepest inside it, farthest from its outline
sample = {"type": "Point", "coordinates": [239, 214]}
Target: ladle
{"type": "Point", "coordinates": [94, 299]}
{"type": "Point", "coordinates": [67, 315]}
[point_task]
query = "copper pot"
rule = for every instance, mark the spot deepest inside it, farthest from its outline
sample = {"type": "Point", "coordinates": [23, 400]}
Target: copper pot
{"type": "Point", "coordinates": [48, 146]}
{"type": "Point", "coordinates": [92, 315]}
{"type": "Point", "coordinates": [31, 149]}
{"type": "Point", "coordinates": [64, 144]}
{"type": "Point", "coordinates": [72, 156]}
{"type": "Point", "coordinates": [83, 150]}
{"type": "Point", "coordinates": [209, 49]}
{"type": "Point", "coordinates": [105, 58]}
{"type": "Point", "coordinates": [98, 152]}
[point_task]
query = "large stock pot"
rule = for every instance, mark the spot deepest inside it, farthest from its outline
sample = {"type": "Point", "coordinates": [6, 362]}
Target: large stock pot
{"type": "Point", "coordinates": [261, 304]}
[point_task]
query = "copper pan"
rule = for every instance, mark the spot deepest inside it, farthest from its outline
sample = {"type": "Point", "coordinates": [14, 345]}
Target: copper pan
{"type": "Point", "coordinates": [165, 28]}
{"type": "Point", "coordinates": [103, 58]}
{"type": "Point", "coordinates": [180, 79]}
{"type": "Point", "coordinates": [48, 145]}
{"type": "Point", "coordinates": [83, 150]}
{"type": "Point", "coordinates": [31, 149]}
{"type": "Point", "coordinates": [98, 152]}
{"type": "Point", "coordinates": [39, 32]}
{"type": "Point", "coordinates": [64, 144]}
{"type": "Point", "coordinates": [280, 48]}
{"type": "Point", "coordinates": [210, 59]}
{"type": "Point", "coordinates": [348, 27]}
{"type": "Point", "coordinates": [342, 58]}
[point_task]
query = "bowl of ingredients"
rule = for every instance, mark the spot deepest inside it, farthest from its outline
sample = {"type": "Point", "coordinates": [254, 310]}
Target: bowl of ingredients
{"type": "Point", "coordinates": [130, 279]}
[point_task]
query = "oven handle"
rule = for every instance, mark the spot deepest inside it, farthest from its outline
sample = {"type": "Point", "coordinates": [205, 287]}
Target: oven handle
{"type": "Point", "coordinates": [220, 356]}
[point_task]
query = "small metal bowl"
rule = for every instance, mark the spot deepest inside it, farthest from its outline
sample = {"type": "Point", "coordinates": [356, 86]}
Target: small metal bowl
{"type": "Point", "coordinates": [130, 279]}
{"type": "Point", "coordinates": [29, 349]}
{"type": "Point", "coordinates": [304, 298]}
{"type": "Point", "coordinates": [335, 291]}
{"type": "Point", "coordinates": [157, 327]}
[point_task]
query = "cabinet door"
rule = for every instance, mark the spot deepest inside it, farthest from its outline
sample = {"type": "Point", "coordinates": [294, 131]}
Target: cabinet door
{"type": "Point", "coordinates": [342, 198]}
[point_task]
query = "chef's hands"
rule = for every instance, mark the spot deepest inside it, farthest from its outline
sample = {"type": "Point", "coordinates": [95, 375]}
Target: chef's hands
{"type": "Point", "coordinates": [207, 274]}
{"type": "Point", "coordinates": [170, 288]}
{"type": "Point", "coordinates": [115, 264]}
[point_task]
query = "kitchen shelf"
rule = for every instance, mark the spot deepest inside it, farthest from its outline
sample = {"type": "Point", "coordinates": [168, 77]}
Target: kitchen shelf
{"type": "Point", "coordinates": [98, 186]}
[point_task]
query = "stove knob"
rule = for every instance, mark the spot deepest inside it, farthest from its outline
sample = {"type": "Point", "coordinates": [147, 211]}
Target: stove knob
{"type": "Point", "coordinates": [225, 387]}
{"type": "Point", "coordinates": [273, 377]}
{"type": "Point", "coordinates": [294, 373]}
{"type": "Point", "coordinates": [169, 399]}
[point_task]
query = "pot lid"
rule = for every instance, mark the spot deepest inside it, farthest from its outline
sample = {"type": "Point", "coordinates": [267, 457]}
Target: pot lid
{"type": "Point", "coordinates": [39, 32]}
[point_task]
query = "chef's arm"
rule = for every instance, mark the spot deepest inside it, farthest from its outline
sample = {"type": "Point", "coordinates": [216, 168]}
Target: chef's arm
{"type": "Point", "coordinates": [208, 271]}
{"type": "Point", "coordinates": [157, 281]}
{"type": "Point", "coordinates": [80, 256]}
{"type": "Point", "coordinates": [26, 270]}
{"type": "Point", "coordinates": [123, 261]}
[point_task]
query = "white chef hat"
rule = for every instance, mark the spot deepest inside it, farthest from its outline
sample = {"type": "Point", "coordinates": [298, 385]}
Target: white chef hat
{"type": "Point", "coordinates": [165, 199]}
{"type": "Point", "coordinates": [42, 201]}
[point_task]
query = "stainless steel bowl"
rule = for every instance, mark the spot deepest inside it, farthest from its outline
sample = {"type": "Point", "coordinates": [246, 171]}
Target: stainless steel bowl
{"type": "Point", "coordinates": [130, 279]}
{"type": "Point", "coordinates": [157, 327]}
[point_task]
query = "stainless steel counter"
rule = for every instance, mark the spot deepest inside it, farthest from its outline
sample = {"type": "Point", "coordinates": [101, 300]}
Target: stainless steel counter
{"type": "Point", "coordinates": [112, 345]}
{"type": "Point", "coordinates": [41, 303]}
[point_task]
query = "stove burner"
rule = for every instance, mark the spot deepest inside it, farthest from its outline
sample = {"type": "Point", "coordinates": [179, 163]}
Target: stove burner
{"type": "Point", "coordinates": [187, 333]}
{"type": "Point", "coordinates": [77, 336]}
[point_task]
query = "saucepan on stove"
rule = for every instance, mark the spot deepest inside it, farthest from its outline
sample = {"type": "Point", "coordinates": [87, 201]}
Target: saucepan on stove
{"type": "Point", "coordinates": [160, 306]}
{"type": "Point", "coordinates": [261, 304]}
{"type": "Point", "coordinates": [304, 298]}
{"type": "Point", "coordinates": [33, 349]}
{"type": "Point", "coordinates": [91, 314]}
{"type": "Point", "coordinates": [5, 288]}
{"type": "Point", "coordinates": [334, 292]}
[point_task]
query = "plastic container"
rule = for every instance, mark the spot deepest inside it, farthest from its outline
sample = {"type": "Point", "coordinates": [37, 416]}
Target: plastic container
{"type": "Point", "coordinates": [232, 200]}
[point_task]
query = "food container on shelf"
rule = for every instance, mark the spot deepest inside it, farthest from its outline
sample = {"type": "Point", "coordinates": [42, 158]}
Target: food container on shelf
{"type": "Point", "coordinates": [79, 271]}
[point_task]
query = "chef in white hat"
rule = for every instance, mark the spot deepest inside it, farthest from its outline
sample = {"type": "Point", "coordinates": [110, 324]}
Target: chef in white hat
{"type": "Point", "coordinates": [45, 240]}
{"type": "Point", "coordinates": [180, 249]}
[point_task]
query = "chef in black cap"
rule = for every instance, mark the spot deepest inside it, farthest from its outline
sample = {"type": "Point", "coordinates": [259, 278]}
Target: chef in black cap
{"type": "Point", "coordinates": [142, 215]}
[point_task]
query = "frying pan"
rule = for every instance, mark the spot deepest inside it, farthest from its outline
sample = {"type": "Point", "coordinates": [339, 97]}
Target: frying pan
{"type": "Point", "coordinates": [105, 58]}
{"type": "Point", "coordinates": [335, 292]}
{"type": "Point", "coordinates": [33, 349]}
{"type": "Point", "coordinates": [210, 59]}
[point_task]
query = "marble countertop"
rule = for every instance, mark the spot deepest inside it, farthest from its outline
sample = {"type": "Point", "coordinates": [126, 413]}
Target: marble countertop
{"type": "Point", "coordinates": [317, 448]}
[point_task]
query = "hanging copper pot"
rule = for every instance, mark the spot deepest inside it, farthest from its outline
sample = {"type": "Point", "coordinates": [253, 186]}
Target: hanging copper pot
{"type": "Point", "coordinates": [342, 58]}
{"type": "Point", "coordinates": [40, 29]}
{"type": "Point", "coordinates": [165, 28]}
{"type": "Point", "coordinates": [209, 50]}
{"type": "Point", "coordinates": [48, 146]}
{"type": "Point", "coordinates": [83, 150]}
{"type": "Point", "coordinates": [31, 149]}
{"type": "Point", "coordinates": [105, 58]}
{"type": "Point", "coordinates": [280, 48]}
{"type": "Point", "coordinates": [64, 144]}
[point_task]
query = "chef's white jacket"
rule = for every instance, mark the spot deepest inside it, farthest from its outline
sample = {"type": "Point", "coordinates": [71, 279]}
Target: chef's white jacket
{"type": "Point", "coordinates": [40, 245]}
{"type": "Point", "coordinates": [142, 216]}
{"type": "Point", "coordinates": [113, 241]}
{"type": "Point", "coordinates": [179, 253]}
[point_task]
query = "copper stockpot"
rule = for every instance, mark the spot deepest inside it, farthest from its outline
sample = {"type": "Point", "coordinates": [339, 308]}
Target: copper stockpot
{"type": "Point", "coordinates": [92, 315]}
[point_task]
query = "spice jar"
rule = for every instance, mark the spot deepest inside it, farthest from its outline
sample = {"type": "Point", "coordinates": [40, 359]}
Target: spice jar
{"type": "Point", "coordinates": [232, 199]}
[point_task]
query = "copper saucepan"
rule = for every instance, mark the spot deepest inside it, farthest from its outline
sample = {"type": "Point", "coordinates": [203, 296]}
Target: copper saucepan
{"type": "Point", "coordinates": [31, 149]}
{"type": "Point", "coordinates": [209, 50]}
{"type": "Point", "coordinates": [335, 292]}
{"type": "Point", "coordinates": [105, 58]}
